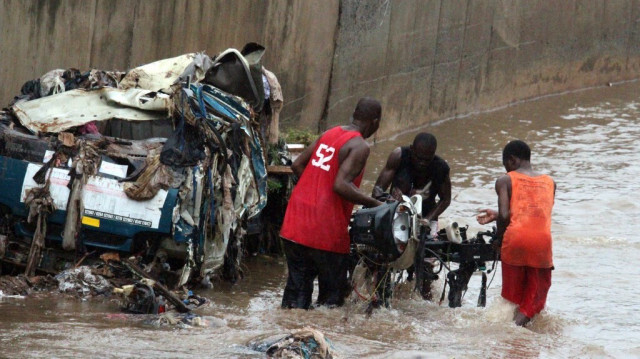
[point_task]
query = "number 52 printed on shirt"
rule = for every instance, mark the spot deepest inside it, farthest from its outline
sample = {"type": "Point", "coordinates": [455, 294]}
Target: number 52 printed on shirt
{"type": "Point", "coordinates": [324, 154]}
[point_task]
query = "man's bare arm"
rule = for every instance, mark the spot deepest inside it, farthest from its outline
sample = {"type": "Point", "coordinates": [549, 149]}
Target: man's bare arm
{"type": "Point", "coordinates": [353, 157]}
{"type": "Point", "coordinates": [300, 163]}
{"type": "Point", "coordinates": [503, 189]}
{"type": "Point", "coordinates": [388, 172]}
{"type": "Point", "coordinates": [445, 200]}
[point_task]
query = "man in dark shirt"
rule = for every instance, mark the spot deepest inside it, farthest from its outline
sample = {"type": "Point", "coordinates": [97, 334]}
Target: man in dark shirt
{"type": "Point", "coordinates": [416, 169]}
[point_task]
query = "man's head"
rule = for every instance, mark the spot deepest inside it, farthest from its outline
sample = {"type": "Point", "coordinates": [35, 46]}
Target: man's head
{"type": "Point", "coordinates": [423, 150]}
{"type": "Point", "coordinates": [514, 154]}
{"type": "Point", "coordinates": [367, 116]}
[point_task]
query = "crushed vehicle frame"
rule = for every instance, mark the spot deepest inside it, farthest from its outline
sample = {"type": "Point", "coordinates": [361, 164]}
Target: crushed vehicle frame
{"type": "Point", "coordinates": [182, 200]}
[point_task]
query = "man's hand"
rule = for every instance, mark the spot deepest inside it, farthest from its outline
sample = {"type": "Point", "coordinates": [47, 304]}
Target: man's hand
{"type": "Point", "coordinates": [381, 195]}
{"type": "Point", "coordinates": [486, 216]}
{"type": "Point", "coordinates": [396, 194]}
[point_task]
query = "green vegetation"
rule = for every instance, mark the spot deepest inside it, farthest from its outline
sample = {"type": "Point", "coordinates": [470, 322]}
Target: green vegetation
{"type": "Point", "coordinates": [273, 185]}
{"type": "Point", "coordinates": [294, 135]}
{"type": "Point", "coordinates": [273, 153]}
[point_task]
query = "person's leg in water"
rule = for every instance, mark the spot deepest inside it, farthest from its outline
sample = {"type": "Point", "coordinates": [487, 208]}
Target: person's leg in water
{"type": "Point", "coordinates": [333, 285]}
{"type": "Point", "coordinates": [521, 319]}
{"type": "Point", "coordinates": [534, 297]}
{"type": "Point", "coordinates": [527, 287]}
{"type": "Point", "coordinates": [513, 280]}
{"type": "Point", "coordinates": [299, 288]}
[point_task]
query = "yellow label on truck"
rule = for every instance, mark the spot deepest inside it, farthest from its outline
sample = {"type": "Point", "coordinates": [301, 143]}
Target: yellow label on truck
{"type": "Point", "coordinates": [93, 222]}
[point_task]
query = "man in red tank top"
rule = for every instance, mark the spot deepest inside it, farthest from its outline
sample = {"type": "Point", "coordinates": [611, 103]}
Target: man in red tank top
{"type": "Point", "coordinates": [315, 228]}
{"type": "Point", "coordinates": [525, 201]}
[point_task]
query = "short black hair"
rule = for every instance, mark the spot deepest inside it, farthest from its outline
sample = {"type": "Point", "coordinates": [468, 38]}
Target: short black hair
{"type": "Point", "coordinates": [367, 109]}
{"type": "Point", "coordinates": [517, 148]}
{"type": "Point", "coordinates": [425, 139]}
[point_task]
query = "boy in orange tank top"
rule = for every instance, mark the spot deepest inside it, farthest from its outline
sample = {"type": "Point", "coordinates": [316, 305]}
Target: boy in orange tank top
{"type": "Point", "coordinates": [525, 201]}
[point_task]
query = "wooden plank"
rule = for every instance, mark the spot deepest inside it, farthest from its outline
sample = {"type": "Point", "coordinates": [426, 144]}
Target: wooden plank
{"type": "Point", "coordinates": [279, 170]}
{"type": "Point", "coordinates": [295, 147]}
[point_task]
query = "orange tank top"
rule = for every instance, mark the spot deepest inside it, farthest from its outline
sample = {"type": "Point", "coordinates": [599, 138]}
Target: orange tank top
{"type": "Point", "coordinates": [527, 240]}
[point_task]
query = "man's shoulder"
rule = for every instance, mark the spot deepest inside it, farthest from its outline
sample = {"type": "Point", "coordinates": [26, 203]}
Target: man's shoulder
{"type": "Point", "coordinates": [548, 177]}
{"type": "Point", "coordinates": [356, 142]}
{"type": "Point", "coordinates": [332, 131]}
{"type": "Point", "coordinates": [354, 146]}
{"type": "Point", "coordinates": [338, 134]}
{"type": "Point", "coordinates": [550, 180]}
{"type": "Point", "coordinates": [440, 160]}
{"type": "Point", "coordinates": [399, 152]}
{"type": "Point", "coordinates": [440, 163]}
{"type": "Point", "coordinates": [504, 180]}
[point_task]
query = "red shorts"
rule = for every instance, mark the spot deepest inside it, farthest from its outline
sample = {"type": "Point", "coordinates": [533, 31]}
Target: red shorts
{"type": "Point", "coordinates": [526, 286]}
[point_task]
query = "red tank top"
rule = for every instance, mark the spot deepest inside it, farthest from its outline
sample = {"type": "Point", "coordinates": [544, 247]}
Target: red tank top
{"type": "Point", "coordinates": [527, 240]}
{"type": "Point", "coordinates": [316, 216]}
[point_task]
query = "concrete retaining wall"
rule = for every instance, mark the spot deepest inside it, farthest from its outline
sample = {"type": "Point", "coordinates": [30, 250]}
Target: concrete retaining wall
{"type": "Point", "coordinates": [425, 59]}
{"type": "Point", "coordinates": [438, 58]}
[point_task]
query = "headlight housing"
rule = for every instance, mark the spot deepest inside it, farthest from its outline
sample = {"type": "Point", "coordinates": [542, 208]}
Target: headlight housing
{"type": "Point", "coordinates": [387, 228]}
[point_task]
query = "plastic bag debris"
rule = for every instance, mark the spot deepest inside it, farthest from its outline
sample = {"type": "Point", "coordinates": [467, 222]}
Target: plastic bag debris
{"type": "Point", "coordinates": [82, 281]}
{"type": "Point", "coordinates": [305, 343]}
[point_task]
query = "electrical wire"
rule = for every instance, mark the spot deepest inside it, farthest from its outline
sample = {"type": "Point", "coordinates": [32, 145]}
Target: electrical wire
{"type": "Point", "coordinates": [439, 259]}
{"type": "Point", "coordinates": [375, 290]}
{"type": "Point", "coordinates": [494, 273]}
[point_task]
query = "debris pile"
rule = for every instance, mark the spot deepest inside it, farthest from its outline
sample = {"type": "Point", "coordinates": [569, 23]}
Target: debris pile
{"type": "Point", "coordinates": [22, 285]}
{"type": "Point", "coordinates": [307, 343]}
{"type": "Point", "coordinates": [180, 320]}
{"type": "Point", "coordinates": [82, 282]}
{"type": "Point", "coordinates": [164, 162]}
{"type": "Point", "coordinates": [133, 290]}
{"type": "Point", "coordinates": [137, 289]}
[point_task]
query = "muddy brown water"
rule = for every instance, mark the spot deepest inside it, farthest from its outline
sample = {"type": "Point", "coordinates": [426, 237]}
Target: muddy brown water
{"type": "Point", "coordinates": [587, 140]}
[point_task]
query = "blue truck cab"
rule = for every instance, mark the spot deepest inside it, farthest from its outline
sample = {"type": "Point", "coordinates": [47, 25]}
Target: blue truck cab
{"type": "Point", "coordinates": [110, 220]}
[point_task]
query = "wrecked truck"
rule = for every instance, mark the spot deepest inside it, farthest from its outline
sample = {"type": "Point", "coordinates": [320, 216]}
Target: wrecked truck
{"type": "Point", "coordinates": [164, 162]}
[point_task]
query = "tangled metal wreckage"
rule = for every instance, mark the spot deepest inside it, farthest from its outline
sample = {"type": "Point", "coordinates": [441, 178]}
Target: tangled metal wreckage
{"type": "Point", "coordinates": [164, 163]}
